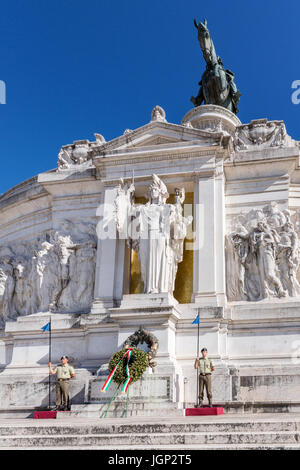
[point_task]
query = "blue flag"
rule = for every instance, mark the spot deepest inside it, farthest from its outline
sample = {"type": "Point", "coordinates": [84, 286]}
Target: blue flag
{"type": "Point", "coordinates": [197, 320]}
{"type": "Point", "coordinates": [46, 327]}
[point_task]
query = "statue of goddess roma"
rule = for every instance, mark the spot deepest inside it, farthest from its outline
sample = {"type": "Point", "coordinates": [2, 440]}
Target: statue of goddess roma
{"type": "Point", "coordinates": [155, 230]}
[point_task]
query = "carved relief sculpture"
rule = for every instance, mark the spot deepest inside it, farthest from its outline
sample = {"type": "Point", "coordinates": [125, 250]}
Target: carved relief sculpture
{"type": "Point", "coordinates": [262, 255]}
{"type": "Point", "coordinates": [261, 133]}
{"type": "Point", "coordinates": [76, 155]}
{"type": "Point", "coordinates": [53, 273]}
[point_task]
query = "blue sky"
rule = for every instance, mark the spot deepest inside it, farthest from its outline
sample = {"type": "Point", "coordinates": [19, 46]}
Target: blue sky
{"type": "Point", "coordinates": [75, 67]}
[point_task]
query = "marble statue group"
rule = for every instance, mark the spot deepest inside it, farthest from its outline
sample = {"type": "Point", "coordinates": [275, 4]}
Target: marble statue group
{"type": "Point", "coordinates": [53, 273]}
{"type": "Point", "coordinates": [263, 255]}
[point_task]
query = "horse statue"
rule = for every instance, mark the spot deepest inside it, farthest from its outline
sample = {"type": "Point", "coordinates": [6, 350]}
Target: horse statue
{"type": "Point", "coordinates": [217, 85]}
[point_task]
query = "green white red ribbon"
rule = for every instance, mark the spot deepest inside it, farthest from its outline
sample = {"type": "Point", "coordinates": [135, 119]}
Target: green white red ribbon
{"type": "Point", "coordinates": [109, 379]}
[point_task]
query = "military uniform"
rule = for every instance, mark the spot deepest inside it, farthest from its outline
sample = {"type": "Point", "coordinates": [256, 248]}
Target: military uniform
{"type": "Point", "coordinates": [206, 368]}
{"type": "Point", "coordinates": [64, 373]}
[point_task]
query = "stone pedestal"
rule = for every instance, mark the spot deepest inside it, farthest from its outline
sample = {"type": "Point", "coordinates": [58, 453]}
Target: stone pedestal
{"type": "Point", "coordinates": [204, 411]}
{"type": "Point", "coordinates": [212, 118]}
{"type": "Point", "coordinates": [159, 314]}
{"type": "Point", "coordinates": [152, 395]}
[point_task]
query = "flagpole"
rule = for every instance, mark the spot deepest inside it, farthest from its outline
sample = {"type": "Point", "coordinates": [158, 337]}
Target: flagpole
{"type": "Point", "coordinates": [49, 380]}
{"type": "Point", "coordinates": [198, 353]}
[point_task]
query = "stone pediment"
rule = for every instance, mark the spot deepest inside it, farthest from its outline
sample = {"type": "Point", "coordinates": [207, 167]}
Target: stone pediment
{"type": "Point", "coordinates": [151, 136]}
{"type": "Point", "coordinates": [156, 134]}
{"type": "Point", "coordinates": [156, 140]}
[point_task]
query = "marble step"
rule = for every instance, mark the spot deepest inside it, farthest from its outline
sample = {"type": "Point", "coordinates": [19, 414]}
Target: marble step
{"type": "Point", "coordinates": [133, 426]}
{"type": "Point", "coordinates": [165, 408]}
{"type": "Point", "coordinates": [172, 447]}
{"type": "Point", "coordinates": [157, 409]}
{"type": "Point", "coordinates": [118, 410]}
{"type": "Point", "coordinates": [160, 439]}
{"type": "Point", "coordinates": [149, 429]}
{"type": "Point", "coordinates": [219, 432]}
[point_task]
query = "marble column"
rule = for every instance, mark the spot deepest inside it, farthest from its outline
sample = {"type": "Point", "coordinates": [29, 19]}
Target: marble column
{"type": "Point", "coordinates": [209, 262]}
{"type": "Point", "coordinates": [110, 256]}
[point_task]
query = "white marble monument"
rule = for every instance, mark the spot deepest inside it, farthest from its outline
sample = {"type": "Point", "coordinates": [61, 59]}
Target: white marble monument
{"type": "Point", "coordinates": [150, 229]}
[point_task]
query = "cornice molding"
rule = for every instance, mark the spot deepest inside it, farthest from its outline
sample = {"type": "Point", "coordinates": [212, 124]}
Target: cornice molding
{"type": "Point", "coordinates": [127, 160]}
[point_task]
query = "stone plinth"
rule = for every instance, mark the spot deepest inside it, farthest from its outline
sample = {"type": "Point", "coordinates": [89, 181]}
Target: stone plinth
{"type": "Point", "coordinates": [152, 395]}
{"type": "Point", "coordinates": [161, 300]}
{"type": "Point", "coordinates": [204, 411]}
{"type": "Point", "coordinates": [149, 389]}
{"type": "Point", "coordinates": [44, 415]}
{"type": "Point", "coordinates": [212, 118]}
{"type": "Point", "coordinates": [158, 313]}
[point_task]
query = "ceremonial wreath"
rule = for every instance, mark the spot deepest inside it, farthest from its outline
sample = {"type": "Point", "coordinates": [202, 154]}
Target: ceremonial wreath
{"type": "Point", "coordinates": [125, 367]}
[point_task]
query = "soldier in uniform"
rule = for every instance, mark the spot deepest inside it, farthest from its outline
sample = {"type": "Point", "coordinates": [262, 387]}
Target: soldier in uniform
{"type": "Point", "coordinates": [64, 373]}
{"type": "Point", "coordinates": [206, 367]}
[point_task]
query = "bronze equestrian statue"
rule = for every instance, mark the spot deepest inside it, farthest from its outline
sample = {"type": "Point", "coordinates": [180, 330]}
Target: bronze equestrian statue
{"type": "Point", "coordinates": [217, 84]}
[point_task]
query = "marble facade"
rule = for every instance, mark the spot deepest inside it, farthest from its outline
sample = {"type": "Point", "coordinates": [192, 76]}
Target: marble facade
{"type": "Point", "coordinates": [62, 254]}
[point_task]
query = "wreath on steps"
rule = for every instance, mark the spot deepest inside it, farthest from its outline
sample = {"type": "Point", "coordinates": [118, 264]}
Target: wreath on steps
{"type": "Point", "coordinates": [129, 364]}
{"type": "Point", "coordinates": [137, 363]}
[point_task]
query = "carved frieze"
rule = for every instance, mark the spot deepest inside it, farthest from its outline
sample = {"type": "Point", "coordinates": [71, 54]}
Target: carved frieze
{"type": "Point", "coordinates": [53, 273]}
{"type": "Point", "coordinates": [262, 255]}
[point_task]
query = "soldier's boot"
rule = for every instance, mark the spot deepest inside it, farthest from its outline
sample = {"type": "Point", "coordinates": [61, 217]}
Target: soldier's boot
{"type": "Point", "coordinates": [210, 404]}
{"type": "Point", "coordinates": [199, 404]}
